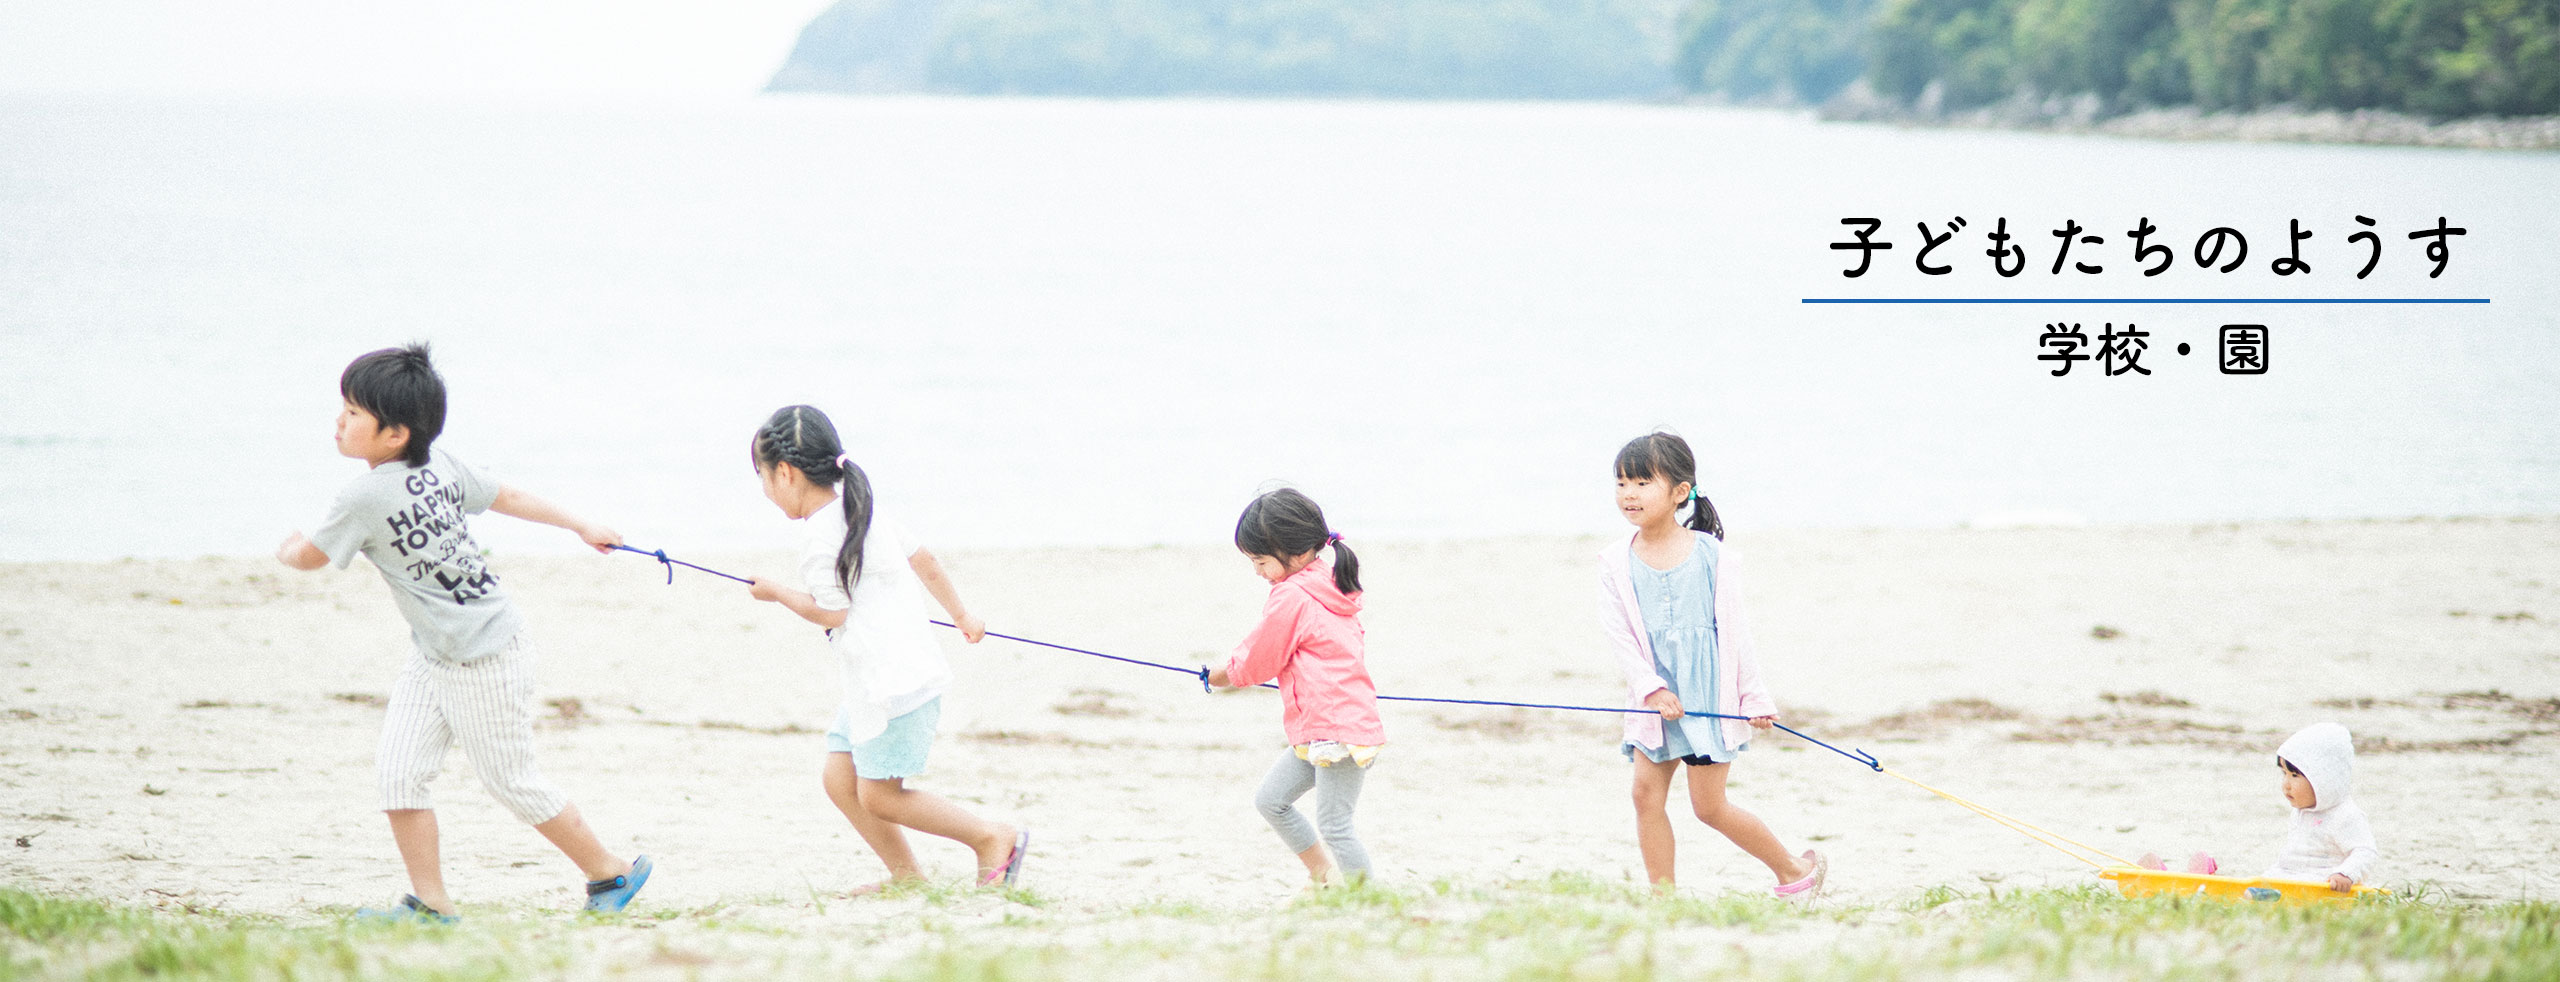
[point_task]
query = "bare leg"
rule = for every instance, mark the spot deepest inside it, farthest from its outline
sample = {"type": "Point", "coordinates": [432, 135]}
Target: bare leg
{"type": "Point", "coordinates": [414, 830]}
{"type": "Point", "coordinates": [568, 831]}
{"type": "Point", "coordinates": [930, 814]}
{"type": "Point", "coordinates": [1706, 794]}
{"type": "Point", "coordinates": [1653, 825]}
{"type": "Point", "coordinates": [1319, 866]}
{"type": "Point", "coordinates": [887, 841]}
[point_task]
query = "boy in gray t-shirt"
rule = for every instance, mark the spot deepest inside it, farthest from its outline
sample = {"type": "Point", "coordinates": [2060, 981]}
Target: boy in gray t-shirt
{"type": "Point", "coordinates": [408, 520]}
{"type": "Point", "coordinates": [470, 680]}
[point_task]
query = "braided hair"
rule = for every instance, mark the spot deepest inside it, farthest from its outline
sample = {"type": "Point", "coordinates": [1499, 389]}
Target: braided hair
{"type": "Point", "coordinates": [804, 438]}
{"type": "Point", "coordinates": [1666, 457]}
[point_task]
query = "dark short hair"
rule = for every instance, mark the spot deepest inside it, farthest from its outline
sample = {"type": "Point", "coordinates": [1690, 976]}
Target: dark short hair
{"type": "Point", "coordinates": [400, 387]}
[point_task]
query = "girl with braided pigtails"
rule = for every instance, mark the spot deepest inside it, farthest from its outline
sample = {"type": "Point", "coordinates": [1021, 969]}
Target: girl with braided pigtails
{"type": "Point", "coordinates": [865, 581]}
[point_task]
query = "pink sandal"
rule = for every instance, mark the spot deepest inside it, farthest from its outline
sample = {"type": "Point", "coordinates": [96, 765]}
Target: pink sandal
{"type": "Point", "coordinates": [1012, 868]}
{"type": "Point", "coordinates": [2198, 863]}
{"type": "Point", "coordinates": [1804, 890]}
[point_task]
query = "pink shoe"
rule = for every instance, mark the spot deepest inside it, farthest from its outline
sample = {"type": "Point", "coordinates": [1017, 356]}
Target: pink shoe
{"type": "Point", "coordinates": [1006, 874]}
{"type": "Point", "coordinates": [2152, 860]}
{"type": "Point", "coordinates": [2201, 863]}
{"type": "Point", "coordinates": [1804, 890]}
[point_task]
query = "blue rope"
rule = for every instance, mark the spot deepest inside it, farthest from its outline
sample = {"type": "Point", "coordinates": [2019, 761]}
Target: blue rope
{"type": "Point", "coordinates": [661, 556]}
{"type": "Point", "coordinates": [1202, 673]}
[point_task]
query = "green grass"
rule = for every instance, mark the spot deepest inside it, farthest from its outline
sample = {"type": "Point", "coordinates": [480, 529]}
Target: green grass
{"type": "Point", "coordinates": [1558, 928]}
{"type": "Point", "coordinates": [48, 937]}
{"type": "Point", "coordinates": [945, 893]}
{"type": "Point", "coordinates": [1177, 909]}
{"type": "Point", "coordinates": [2055, 931]}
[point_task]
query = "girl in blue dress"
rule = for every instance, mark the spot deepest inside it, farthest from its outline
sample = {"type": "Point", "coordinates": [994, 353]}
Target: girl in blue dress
{"type": "Point", "coordinates": [1670, 610]}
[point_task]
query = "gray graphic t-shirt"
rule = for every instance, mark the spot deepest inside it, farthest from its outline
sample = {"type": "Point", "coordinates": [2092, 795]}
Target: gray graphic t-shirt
{"type": "Point", "coordinates": [408, 520]}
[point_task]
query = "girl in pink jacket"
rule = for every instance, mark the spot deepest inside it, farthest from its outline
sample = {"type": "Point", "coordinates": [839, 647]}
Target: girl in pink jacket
{"type": "Point", "coordinates": [1672, 616]}
{"type": "Point", "coordinates": [1310, 641]}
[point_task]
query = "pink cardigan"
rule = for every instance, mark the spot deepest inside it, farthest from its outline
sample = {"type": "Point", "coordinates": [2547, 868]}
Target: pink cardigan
{"type": "Point", "coordinates": [1737, 666]}
{"type": "Point", "coordinates": [1310, 640]}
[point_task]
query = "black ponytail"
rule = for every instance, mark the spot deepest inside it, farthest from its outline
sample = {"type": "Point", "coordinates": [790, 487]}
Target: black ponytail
{"type": "Point", "coordinates": [1346, 567]}
{"type": "Point", "coordinates": [1286, 523]}
{"type": "Point", "coordinates": [1666, 457]}
{"type": "Point", "coordinates": [856, 496]}
{"type": "Point", "coordinates": [804, 438]}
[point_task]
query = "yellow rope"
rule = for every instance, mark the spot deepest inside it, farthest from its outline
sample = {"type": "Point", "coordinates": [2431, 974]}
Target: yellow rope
{"type": "Point", "coordinates": [2014, 826]}
{"type": "Point", "coordinates": [2030, 831]}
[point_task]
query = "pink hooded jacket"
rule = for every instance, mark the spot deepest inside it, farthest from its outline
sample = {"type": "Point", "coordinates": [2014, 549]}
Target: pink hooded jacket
{"type": "Point", "coordinates": [1310, 640]}
{"type": "Point", "coordinates": [1737, 665]}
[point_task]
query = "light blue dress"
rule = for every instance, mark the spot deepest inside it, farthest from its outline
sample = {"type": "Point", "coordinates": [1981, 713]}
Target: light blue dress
{"type": "Point", "coordinates": [1679, 607]}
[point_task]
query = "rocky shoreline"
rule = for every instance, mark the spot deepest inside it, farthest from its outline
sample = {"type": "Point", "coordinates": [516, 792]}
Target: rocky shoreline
{"type": "Point", "coordinates": [2085, 114]}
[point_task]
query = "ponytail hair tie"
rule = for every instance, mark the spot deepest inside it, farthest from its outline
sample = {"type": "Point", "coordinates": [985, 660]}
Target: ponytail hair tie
{"type": "Point", "coordinates": [1331, 537]}
{"type": "Point", "coordinates": [1693, 492]}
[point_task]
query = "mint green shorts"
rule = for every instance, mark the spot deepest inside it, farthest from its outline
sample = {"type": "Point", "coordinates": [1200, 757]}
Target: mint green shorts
{"type": "Point", "coordinates": [899, 751]}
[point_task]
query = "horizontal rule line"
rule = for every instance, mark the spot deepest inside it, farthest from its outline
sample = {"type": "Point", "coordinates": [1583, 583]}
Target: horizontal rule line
{"type": "Point", "coordinates": [2119, 300]}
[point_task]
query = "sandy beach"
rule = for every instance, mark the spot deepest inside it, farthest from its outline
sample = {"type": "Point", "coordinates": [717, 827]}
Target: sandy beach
{"type": "Point", "coordinates": [199, 733]}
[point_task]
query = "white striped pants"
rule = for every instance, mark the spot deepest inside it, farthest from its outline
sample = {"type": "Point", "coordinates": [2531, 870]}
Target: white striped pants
{"type": "Point", "coordinates": [485, 705]}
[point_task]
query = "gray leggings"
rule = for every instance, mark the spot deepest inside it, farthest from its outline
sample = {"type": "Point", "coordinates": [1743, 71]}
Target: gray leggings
{"type": "Point", "coordinates": [1337, 791]}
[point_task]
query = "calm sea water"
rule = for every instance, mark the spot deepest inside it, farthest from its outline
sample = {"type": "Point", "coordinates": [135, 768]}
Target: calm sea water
{"type": "Point", "coordinates": [1075, 322]}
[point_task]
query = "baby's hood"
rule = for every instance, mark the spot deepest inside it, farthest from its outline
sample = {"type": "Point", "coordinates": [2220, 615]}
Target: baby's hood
{"type": "Point", "coordinates": [2325, 754]}
{"type": "Point", "coordinates": [1317, 580]}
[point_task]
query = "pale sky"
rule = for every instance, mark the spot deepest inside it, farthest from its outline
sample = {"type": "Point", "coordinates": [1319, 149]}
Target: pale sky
{"type": "Point", "coordinates": [371, 46]}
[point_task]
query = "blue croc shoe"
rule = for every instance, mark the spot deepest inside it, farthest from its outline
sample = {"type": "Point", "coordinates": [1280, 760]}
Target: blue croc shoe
{"type": "Point", "coordinates": [410, 909]}
{"type": "Point", "coordinates": [608, 896]}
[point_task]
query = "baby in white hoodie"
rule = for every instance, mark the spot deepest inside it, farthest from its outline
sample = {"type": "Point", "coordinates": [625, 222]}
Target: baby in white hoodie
{"type": "Point", "coordinates": [2330, 839]}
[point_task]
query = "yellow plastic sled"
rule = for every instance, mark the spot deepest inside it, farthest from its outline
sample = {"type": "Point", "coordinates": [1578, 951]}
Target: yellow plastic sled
{"type": "Point", "coordinates": [2137, 882]}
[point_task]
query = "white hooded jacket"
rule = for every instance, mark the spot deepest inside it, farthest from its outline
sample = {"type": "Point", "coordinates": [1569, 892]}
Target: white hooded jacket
{"type": "Point", "coordinates": [2331, 836]}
